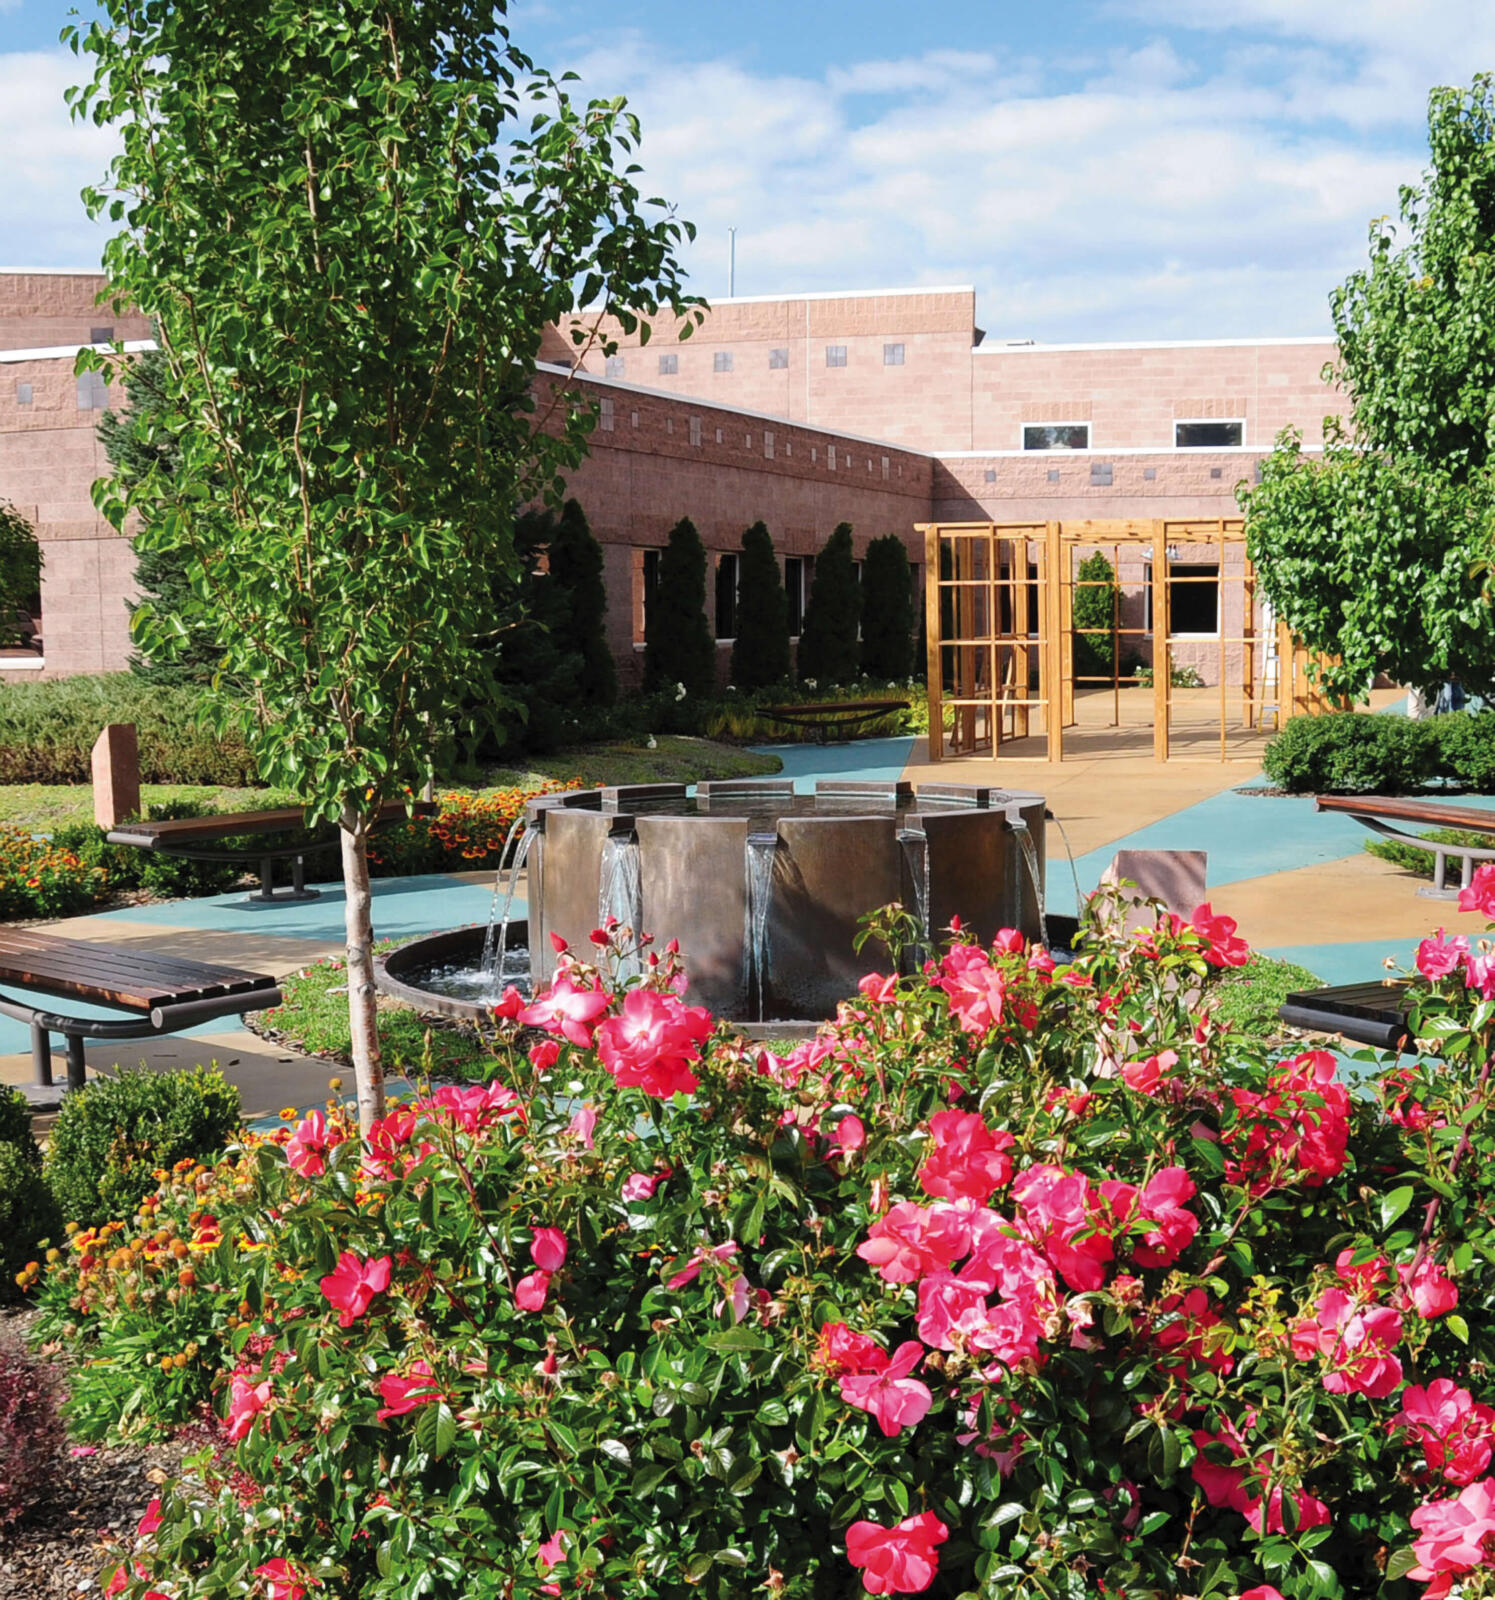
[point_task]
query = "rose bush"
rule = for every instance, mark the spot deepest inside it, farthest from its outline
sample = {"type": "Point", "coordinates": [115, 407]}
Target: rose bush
{"type": "Point", "coordinates": [1016, 1280]}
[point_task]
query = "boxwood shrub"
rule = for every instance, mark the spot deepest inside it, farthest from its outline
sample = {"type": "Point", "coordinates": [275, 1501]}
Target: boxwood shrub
{"type": "Point", "coordinates": [1354, 753]}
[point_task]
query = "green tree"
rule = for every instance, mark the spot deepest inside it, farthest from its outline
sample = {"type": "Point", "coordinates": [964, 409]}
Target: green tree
{"type": "Point", "coordinates": [135, 445]}
{"type": "Point", "coordinates": [351, 225]}
{"type": "Point", "coordinates": [887, 610]}
{"type": "Point", "coordinates": [575, 561]}
{"type": "Point", "coordinates": [20, 571]}
{"type": "Point", "coordinates": [678, 647]}
{"type": "Point", "coordinates": [760, 652]}
{"type": "Point", "coordinates": [1372, 552]}
{"type": "Point", "coordinates": [829, 651]}
{"type": "Point", "coordinates": [1095, 607]}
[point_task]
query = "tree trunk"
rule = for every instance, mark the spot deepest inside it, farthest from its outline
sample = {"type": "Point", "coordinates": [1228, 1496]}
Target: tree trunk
{"type": "Point", "coordinates": [368, 1063]}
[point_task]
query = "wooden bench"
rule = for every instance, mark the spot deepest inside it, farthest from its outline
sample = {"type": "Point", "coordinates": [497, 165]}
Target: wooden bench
{"type": "Point", "coordinates": [164, 994]}
{"type": "Point", "coordinates": [1377, 812]}
{"type": "Point", "coordinates": [839, 716]}
{"type": "Point", "coordinates": [184, 836]}
{"type": "Point", "coordinates": [1373, 1013]}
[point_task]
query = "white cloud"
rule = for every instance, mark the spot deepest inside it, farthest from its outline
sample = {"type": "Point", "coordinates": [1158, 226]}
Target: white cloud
{"type": "Point", "coordinates": [49, 159]}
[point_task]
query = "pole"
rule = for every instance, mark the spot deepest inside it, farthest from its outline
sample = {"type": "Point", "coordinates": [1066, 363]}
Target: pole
{"type": "Point", "coordinates": [731, 262]}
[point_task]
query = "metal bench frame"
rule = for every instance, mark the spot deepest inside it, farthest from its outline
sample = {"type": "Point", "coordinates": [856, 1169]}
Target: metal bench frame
{"type": "Point", "coordinates": [1372, 815]}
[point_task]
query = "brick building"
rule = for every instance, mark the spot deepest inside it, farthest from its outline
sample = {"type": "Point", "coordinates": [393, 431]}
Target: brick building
{"type": "Point", "coordinates": [884, 409]}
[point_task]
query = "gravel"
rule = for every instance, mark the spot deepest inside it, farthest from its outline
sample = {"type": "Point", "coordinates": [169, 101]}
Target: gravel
{"type": "Point", "coordinates": [94, 1501]}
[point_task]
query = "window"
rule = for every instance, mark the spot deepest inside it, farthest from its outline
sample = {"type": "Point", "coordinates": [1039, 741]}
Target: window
{"type": "Point", "coordinates": [695, 430]}
{"type": "Point", "coordinates": [1150, 474]}
{"type": "Point", "coordinates": [767, 445]}
{"type": "Point", "coordinates": [892, 355]}
{"type": "Point", "coordinates": [718, 435]}
{"type": "Point", "coordinates": [1053, 474]}
{"type": "Point", "coordinates": [669, 366]}
{"type": "Point", "coordinates": [722, 361]}
{"type": "Point", "coordinates": [835, 355]}
{"type": "Point", "coordinates": [1193, 598]}
{"type": "Point", "coordinates": [615, 367]}
{"type": "Point", "coordinates": [633, 419]}
{"type": "Point", "coordinates": [1100, 474]}
{"type": "Point", "coordinates": [778, 360]}
{"type": "Point", "coordinates": [93, 392]}
{"type": "Point", "coordinates": [726, 597]}
{"type": "Point", "coordinates": [990, 475]}
{"type": "Point", "coordinates": [1056, 436]}
{"type": "Point", "coordinates": [23, 394]}
{"type": "Point", "coordinates": [884, 469]}
{"type": "Point", "coordinates": [607, 415]}
{"type": "Point", "coordinates": [798, 571]}
{"type": "Point", "coordinates": [1208, 435]}
{"type": "Point", "coordinates": [830, 457]}
{"type": "Point", "coordinates": [100, 335]}
{"type": "Point", "coordinates": [648, 588]}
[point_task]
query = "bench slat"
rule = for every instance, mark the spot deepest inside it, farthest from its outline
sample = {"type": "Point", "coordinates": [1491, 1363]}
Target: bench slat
{"type": "Point", "coordinates": [109, 976]}
{"type": "Point", "coordinates": [1435, 813]}
{"type": "Point", "coordinates": [228, 825]}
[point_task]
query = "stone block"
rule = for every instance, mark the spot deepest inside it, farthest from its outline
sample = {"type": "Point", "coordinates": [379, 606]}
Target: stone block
{"type": "Point", "coordinates": [1176, 877]}
{"type": "Point", "coordinates": [116, 775]}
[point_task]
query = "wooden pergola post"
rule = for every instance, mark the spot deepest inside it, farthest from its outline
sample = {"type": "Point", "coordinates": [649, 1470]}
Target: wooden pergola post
{"type": "Point", "coordinates": [1161, 659]}
{"type": "Point", "coordinates": [935, 686]}
{"type": "Point", "coordinates": [1052, 670]}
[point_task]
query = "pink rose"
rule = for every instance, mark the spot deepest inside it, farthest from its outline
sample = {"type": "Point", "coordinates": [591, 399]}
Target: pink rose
{"type": "Point", "coordinates": [246, 1401]}
{"type": "Point", "coordinates": [530, 1292]}
{"type": "Point", "coordinates": [893, 1398]}
{"type": "Point", "coordinates": [1480, 895]}
{"type": "Point", "coordinates": [352, 1287]}
{"type": "Point", "coordinates": [902, 1559]}
{"type": "Point", "coordinates": [548, 1249]}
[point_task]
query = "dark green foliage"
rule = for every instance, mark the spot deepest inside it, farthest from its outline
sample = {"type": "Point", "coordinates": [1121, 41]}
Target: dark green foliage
{"type": "Point", "coordinates": [15, 1123]}
{"type": "Point", "coordinates": [534, 664]}
{"type": "Point", "coordinates": [28, 1214]}
{"type": "Point", "coordinates": [47, 731]}
{"type": "Point", "coordinates": [829, 650]}
{"type": "Point", "coordinates": [1352, 753]}
{"type": "Point", "coordinates": [576, 571]}
{"type": "Point", "coordinates": [1094, 607]}
{"type": "Point", "coordinates": [111, 1136]}
{"type": "Point", "coordinates": [1249, 997]}
{"type": "Point", "coordinates": [1376, 552]}
{"type": "Point", "coordinates": [760, 652]}
{"type": "Point", "coordinates": [136, 443]}
{"type": "Point", "coordinates": [887, 610]}
{"type": "Point", "coordinates": [20, 570]}
{"type": "Point", "coordinates": [171, 877]}
{"type": "Point", "coordinates": [1466, 748]}
{"type": "Point", "coordinates": [678, 648]}
{"type": "Point", "coordinates": [1412, 859]}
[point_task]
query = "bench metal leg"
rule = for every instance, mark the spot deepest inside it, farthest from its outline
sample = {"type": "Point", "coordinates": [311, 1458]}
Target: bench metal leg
{"type": "Point", "coordinates": [268, 895]}
{"type": "Point", "coordinates": [77, 1068]}
{"type": "Point", "coordinates": [41, 1056]}
{"type": "Point", "coordinates": [1440, 871]}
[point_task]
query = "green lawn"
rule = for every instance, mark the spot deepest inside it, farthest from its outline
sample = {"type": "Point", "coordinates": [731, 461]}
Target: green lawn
{"type": "Point", "coordinates": [45, 806]}
{"type": "Point", "coordinates": [1249, 996]}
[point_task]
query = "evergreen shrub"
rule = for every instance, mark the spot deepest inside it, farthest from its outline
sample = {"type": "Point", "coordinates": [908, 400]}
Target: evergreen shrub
{"type": "Point", "coordinates": [29, 1214]}
{"type": "Point", "coordinates": [760, 651]}
{"type": "Point", "coordinates": [1353, 752]}
{"type": "Point", "coordinates": [887, 610]}
{"type": "Point", "coordinates": [829, 649]}
{"type": "Point", "coordinates": [678, 648]}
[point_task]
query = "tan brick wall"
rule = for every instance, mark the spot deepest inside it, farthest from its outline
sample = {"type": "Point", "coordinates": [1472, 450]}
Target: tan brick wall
{"type": "Point", "coordinates": [42, 309]}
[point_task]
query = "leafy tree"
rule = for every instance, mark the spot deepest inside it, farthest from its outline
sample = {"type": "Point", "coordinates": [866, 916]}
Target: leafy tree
{"type": "Point", "coordinates": [351, 225]}
{"type": "Point", "coordinates": [1095, 607]}
{"type": "Point", "coordinates": [20, 570]}
{"type": "Point", "coordinates": [760, 652]}
{"type": "Point", "coordinates": [678, 647]}
{"type": "Point", "coordinates": [1372, 553]}
{"type": "Point", "coordinates": [135, 446]}
{"type": "Point", "coordinates": [829, 651]}
{"type": "Point", "coordinates": [887, 610]}
{"type": "Point", "coordinates": [576, 568]}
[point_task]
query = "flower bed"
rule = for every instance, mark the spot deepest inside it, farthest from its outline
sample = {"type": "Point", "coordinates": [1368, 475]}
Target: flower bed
{"type": "Point", "coordinates": [468, 833]}
{"type": "Point", "coordinates": [39, 879]}
{"type": "Point", "coordinates": [1016, 1280]}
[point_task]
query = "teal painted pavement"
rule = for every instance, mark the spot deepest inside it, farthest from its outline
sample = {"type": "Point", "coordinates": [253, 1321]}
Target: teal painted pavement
{"type": "Point", "coordinates": [861, 760]}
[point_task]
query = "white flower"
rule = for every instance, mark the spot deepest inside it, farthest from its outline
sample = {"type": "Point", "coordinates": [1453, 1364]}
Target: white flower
{"type": "Point", "coordinates": [679, 691]}
{"type": "Point", "coordinates": [653, 743]}
{"type": "Point", "coordinates": [810, 683]}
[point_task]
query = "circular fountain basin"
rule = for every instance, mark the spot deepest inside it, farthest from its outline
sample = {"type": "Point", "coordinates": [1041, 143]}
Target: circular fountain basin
{"type": "Point", "coordinates": [442, 974]}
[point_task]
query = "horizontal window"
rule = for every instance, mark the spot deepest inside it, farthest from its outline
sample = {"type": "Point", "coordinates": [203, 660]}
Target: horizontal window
{"type": "Point", "coordinates": [1208, 435]}
{"type": "Point", "coordinates": [1056, 436]}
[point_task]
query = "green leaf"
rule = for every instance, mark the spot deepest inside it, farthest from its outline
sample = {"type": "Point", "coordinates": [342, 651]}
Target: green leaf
{"type": "Point", "coordinates": [1390, 1206]}
{"type": "Point", "coordinates": [1457, 1327]}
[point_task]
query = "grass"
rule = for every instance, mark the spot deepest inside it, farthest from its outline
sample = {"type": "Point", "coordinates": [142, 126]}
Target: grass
{"type": "Point", "coordinates": [1248, 997]}
{"type": "Point", "coordinates": [314, 1018]}
{"type": "Point", "coordinates": [47, 806]}
{"type": "Point", "coordinates": [1420, 862]}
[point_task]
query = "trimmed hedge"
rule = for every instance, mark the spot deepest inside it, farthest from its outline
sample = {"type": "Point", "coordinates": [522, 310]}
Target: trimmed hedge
{"type": "Point", "coordinates": [1372, 753]}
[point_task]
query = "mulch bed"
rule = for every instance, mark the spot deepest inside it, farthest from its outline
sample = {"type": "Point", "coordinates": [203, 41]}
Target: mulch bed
{"type": "Point", "coordinates": [92, 1501]}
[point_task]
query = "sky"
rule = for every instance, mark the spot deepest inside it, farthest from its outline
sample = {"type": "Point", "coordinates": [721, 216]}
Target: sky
{"type": "Point", "coordinates": [1098, 169]}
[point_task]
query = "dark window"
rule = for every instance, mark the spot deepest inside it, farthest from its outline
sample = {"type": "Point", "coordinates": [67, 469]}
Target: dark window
{"type": "Point", "coordinates": [616, 366]}
{"type": "Point", "coordinates": [1194, 597]}
{"type": "Point", "coordinates": [726, 597]}
{"type": "Point", "coordinates": [722, 361]}
{"type": "Point", "coordinates": [778, 359]}
{"type": "Point", "coordinates": [100, 335]}
{"type": "Point", "coordinates": [796, 582]}
{"type": "Point", "coordinates": [892, 355]}
{"type": "Point", "coordinates": [1033, 599]}
{"type": "Point", "coordinates": [1056, 436]}
{"type": "Point", "coordinates": [668, 366]}
{"type": "Point", "coordinates": [1150, 474]}
{"type": "Point", "coordinates": [1208, 435]}
{"type": "Point", "coordinates": [991, 474]}
{"type": "Point", "coordinates": [651, 583]}
{"type": "Point", "coordinates": [835, 355]}
{"type": "Point", "coordinates": [1053, 474]}
{"type": "Point", "coordinates": [23, 394]}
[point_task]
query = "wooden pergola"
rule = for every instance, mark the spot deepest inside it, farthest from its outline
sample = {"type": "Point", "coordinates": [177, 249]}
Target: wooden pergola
{"type": "Point", "coordinates": [1000, 625]}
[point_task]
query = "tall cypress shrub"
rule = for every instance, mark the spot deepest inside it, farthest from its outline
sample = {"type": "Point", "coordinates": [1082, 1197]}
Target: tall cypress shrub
{"type": "Point", "coordinates": [829, 651]}
{"type": "Point", "coordinates": [678, 647]}
{"type": "Point", "coordinates": [887, 610]}
{"type": "Point", "coordinates": [576, 568]}
{"type": "Point", "coordinates": [536, 666]}
{"type": "Point", "coordinates": [760, 652]}
{"type": "Point", "coordinates": [1095, 607]}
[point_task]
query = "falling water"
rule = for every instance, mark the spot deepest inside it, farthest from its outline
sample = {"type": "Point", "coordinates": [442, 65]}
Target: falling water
{"type": "Point", "coordinates": [495, 947]}
{"type": "Point", "coordinates": [915, 847]}
{"type": "Point", "coordinates": [759, 863]}
{"type": "Point", "coordinates": [620, 894]}
{"type": "Point", "coordinates": [1074, 871]}
{"type": "Point", "coordinates": [491, 937]}
{"type": "Point", "coordinates": [1030, 856]}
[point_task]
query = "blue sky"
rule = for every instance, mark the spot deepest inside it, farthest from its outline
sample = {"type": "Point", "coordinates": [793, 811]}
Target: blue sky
{"type": "Point", "coordinates": [1099, 169]}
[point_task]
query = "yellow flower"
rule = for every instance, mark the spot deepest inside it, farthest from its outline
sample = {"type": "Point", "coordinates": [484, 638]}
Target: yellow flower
{"type": "Point", "coordinates": [289, 1113]}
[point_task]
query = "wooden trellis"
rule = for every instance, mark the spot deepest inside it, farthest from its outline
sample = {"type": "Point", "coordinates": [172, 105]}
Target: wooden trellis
{"type": "Point", "coordinates": [999, 601]}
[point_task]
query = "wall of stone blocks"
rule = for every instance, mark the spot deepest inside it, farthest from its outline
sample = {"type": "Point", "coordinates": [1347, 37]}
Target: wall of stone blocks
{"type": "Point", "coordinates": [39, 310]}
